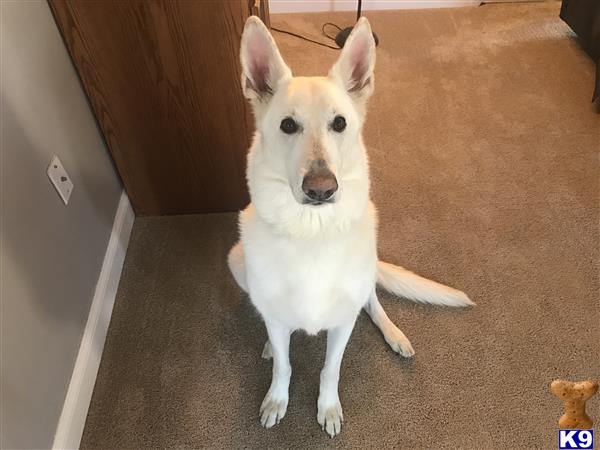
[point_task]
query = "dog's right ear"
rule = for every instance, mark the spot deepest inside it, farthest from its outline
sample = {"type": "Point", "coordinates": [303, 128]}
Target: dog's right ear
{"type": "Point", "coordinates": [262, 65]}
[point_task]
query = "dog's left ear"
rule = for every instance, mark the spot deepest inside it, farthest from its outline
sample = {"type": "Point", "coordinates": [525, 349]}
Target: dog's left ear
{"type": "Point", "coordinates": [354, 68]}
{"type": "Point", "coordinates": [262, 65]}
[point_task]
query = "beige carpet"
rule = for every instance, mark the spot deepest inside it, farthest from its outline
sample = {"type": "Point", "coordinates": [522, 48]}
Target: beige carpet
{"type": "Point", "coordinates": [484, 148]}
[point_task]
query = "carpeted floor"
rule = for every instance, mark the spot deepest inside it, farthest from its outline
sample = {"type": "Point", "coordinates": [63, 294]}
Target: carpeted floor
{"type": "Point", "coordinates": [484, 148]}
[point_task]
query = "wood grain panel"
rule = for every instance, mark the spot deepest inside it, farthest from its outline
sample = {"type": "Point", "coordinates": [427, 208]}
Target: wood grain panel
{"type": "Point", "coordinates": [163, 78]}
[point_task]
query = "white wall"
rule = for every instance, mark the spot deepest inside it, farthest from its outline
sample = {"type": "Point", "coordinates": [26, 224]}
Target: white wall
{"type": "Point", "coordinates": [287, 6]}
{"type": "Point", "coordinates": [284, 6]}
{"type": "Point", "coordinates": [51, 254]}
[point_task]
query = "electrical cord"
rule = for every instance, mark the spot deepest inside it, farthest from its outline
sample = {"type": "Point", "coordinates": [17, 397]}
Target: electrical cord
{"type": "Point", "coordinates": [358, 11]}
{"type": "Point", "coordinates": [311, 40]}
{"type": "Point", "coordinates": [333, 25]}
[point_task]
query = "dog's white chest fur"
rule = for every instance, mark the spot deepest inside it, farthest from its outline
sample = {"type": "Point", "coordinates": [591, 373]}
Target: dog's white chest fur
{"type": "Point", "coordinates": [312, 283]}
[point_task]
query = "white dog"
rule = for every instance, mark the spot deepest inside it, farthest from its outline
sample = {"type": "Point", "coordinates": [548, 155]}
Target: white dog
{"type": "Point", "coordinates": [308, 249]}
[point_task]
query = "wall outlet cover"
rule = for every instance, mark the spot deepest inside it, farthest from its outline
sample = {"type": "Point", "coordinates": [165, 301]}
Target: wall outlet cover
{"type": "Point", "coordinates": [60, 179]}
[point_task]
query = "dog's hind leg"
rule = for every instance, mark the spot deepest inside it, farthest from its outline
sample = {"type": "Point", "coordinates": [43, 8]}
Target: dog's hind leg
{"type": "Point", "coordinates": [391, 333]}
{"type": "Point", "coordinates": [267, 352]}
{"type": "Point", "coordinates": [237, 265]}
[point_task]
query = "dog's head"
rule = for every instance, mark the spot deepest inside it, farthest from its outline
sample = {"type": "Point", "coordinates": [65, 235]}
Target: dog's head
{"type": "Point", "coordinates": [307, 168]}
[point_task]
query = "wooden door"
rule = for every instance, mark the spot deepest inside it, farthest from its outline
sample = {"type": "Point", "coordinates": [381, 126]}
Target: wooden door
{"type": "Point", "coordinates": [163, 78]}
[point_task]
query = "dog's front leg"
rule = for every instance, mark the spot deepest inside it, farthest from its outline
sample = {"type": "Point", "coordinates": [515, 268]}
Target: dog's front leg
{"type": "Point", "coordinates": [329, 409]}
{"type": "Point", "coordinates": [274, 405]}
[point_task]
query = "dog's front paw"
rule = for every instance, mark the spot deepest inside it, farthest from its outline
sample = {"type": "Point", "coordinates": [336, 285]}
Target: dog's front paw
{"type": "Point", "coordinates": [273, 409]}
{"type": "Point", "coordinates": [330, 417]}
{"type": "Point", "coordinates": [400, 343]}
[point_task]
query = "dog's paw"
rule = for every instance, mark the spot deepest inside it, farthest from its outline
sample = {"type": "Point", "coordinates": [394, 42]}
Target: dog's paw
{"type": "Point", "coordinates": [273, 409]}
{"type": "Point", "coordinates": [267, 352]}
{"type": "Point", "coordinates": [330, 417]}
{"type": "Point", "coordinates": [400, 344]}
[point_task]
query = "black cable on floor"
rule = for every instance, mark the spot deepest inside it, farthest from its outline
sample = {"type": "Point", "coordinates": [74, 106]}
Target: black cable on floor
{"type": "Point", "coordinates": [308, 39]}
{"type": "Point", "coordinates": [325, 34]}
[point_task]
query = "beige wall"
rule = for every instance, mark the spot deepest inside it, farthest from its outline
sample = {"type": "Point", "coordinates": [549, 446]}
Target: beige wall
{"type": "Point", "coordinates": [51, 253]}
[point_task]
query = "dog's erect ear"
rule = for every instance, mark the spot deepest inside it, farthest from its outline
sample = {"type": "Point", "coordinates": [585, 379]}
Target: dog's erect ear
{"type": "Point", "coordinates": [354, 68]}
{"type": "Point", "coordinates": [262, 66]}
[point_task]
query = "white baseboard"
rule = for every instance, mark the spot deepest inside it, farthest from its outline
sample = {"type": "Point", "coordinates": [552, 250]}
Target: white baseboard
{"type": "Point", "coordinates": [74, 413]}
{"type": "Point", "coordinates": [291, 6]}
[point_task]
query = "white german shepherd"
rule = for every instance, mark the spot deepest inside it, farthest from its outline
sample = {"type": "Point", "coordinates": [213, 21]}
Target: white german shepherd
{"type": "Point", "coordinates": [308, 249]}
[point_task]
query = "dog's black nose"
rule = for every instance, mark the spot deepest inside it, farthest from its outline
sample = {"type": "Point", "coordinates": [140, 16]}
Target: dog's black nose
{"type": "Point", "coordinates": [319, 185]}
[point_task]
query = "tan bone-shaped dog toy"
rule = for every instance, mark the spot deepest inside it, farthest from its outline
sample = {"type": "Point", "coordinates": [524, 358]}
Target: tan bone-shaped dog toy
{"type": "Point", "coordinates": [574, 395]}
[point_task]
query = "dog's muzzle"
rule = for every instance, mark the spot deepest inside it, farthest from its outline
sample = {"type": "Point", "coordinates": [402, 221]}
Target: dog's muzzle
{"type": "Point", "coordinates": [319, 185]}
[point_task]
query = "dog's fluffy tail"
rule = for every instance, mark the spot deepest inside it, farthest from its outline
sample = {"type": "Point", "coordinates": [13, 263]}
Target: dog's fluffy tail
{"type": "Point", "coordinates": [411, 286]}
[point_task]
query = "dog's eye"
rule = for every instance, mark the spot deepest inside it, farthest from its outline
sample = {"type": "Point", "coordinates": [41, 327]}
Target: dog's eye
{"type": "Point", "coordinates": [288, 126]}
{"type": "Point", "coordinates": [339, 124]}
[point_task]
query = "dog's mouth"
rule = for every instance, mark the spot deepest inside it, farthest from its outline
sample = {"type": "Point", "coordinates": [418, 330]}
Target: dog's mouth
{"type": "Point", "coordinates": [309, 202]}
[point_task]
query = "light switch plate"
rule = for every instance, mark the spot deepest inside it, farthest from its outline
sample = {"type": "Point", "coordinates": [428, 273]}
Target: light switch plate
{"type": "Point", "coordinates": [60, 179]}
